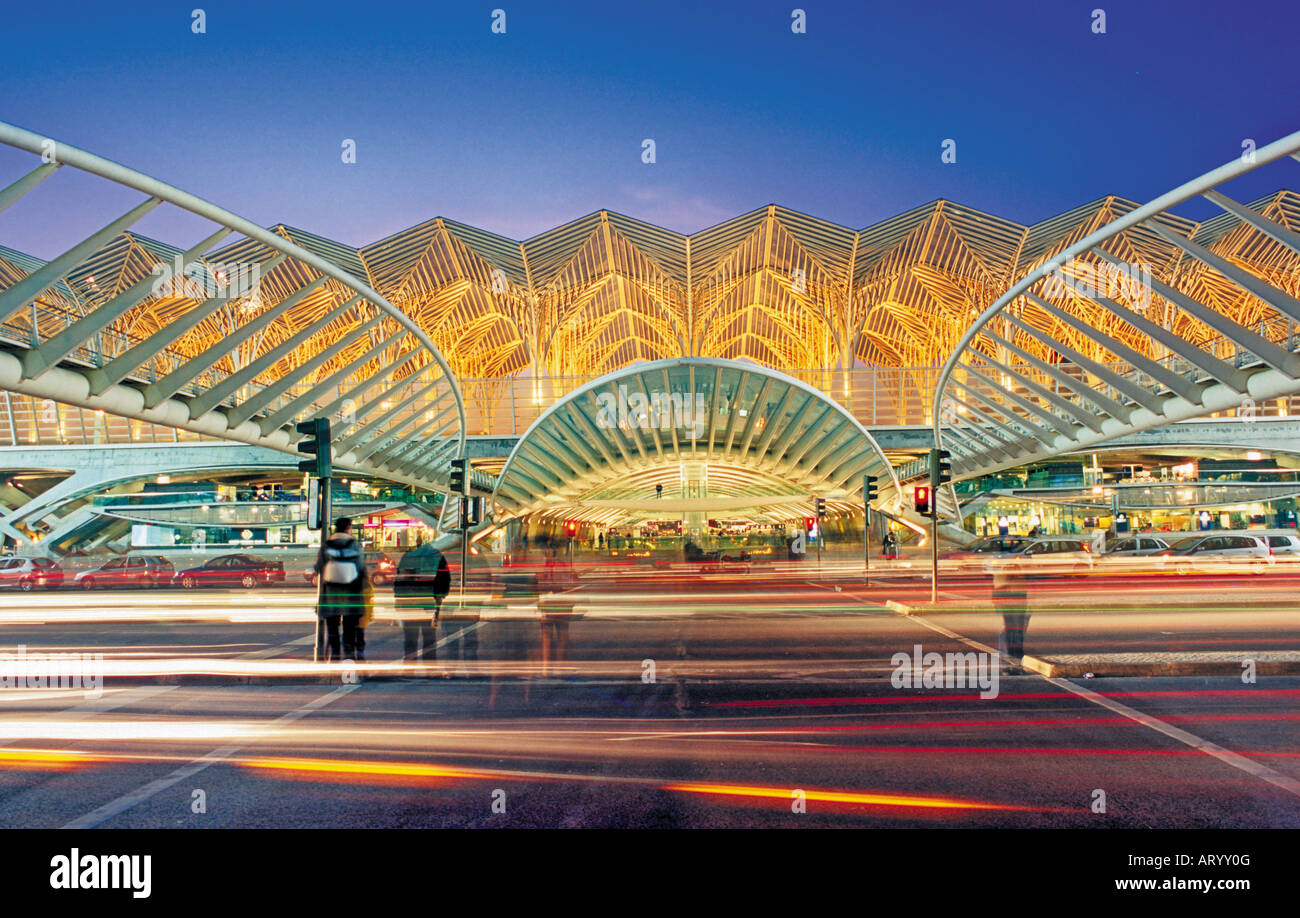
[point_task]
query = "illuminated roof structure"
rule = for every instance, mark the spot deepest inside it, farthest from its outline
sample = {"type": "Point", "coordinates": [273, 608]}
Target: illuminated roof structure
{"type": "Point", "coordinates": [1147, 320]}
{"type": "Point", "coordinates": [415, 318]}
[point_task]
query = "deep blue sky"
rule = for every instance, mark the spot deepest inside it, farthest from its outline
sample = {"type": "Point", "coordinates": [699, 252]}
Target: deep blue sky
{"type": "Point", "coordinates": [517, 133]}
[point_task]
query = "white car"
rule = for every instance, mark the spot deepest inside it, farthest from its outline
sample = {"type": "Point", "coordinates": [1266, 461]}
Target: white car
{"type": "Point", "coordinates": [1047, 554]}
{"type": "Point", "coordinates": [1221, 553]}
{"type": "Point", "coordinates": [1283, 544]}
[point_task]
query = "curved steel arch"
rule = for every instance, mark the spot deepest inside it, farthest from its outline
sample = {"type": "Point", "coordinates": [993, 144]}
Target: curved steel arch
{"type": "Point", "coordinates": [374, 369]}
{"type": "Point", "coordinates": [746, 417]}
{"type": "Point", "coordinates": [1014, 392]}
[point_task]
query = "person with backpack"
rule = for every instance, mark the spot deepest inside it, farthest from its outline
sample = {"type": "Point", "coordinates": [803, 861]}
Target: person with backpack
{"type": "Point", "coordinates": [422, 580]}
{"type": "Point", "coordinates": [341, 570]}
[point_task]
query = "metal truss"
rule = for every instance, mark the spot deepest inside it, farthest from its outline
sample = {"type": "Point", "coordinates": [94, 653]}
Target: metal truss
{"type": "Point", "coordinates": [767, 440]}
{"type": "Point", "coordinates": [1146, 320]}
{"type": "Point", "coordinates": [237, 342]}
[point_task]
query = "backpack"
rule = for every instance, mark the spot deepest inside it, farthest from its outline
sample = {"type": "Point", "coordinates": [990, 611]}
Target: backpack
{"type": "Point", "coordinates": [342, 565]}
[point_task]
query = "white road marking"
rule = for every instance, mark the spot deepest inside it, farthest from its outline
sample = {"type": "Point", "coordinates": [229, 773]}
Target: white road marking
{"type": "Point", "coordinates": [139, 795]}
{"type": "Point", "coordinates": [1227, 756]}
{"type": "Point", "coordinates": [153, 788]}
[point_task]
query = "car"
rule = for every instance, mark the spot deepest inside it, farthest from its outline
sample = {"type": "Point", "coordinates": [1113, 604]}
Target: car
{"type": "Point", "coordinates": [232, 570]}
{"type": "Point", "coordinates": [1135, 546]}
{"type": "Point", "coordinates": [130, 571]}
{"type": "Point", "coordinates": [1061, 554]}
{"type": "Point", "coordinates": [1284, 544]}
{"type": "Point", "coordinates": [1220, 552]}
{"type": "Point", "coordinates": [28, 573]}
{"type": "Point", "coordinates": [990, 545]}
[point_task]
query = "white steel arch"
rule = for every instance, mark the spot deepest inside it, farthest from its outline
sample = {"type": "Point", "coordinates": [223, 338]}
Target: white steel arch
{"type": "Point", "coordinates": [774, 436]}
{"type": "Point", "coordinates": [311, 338]}
{"type": "Point", "coordinates": [1223, 337]}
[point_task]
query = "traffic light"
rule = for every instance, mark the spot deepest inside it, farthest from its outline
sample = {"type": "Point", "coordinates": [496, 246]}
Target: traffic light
{"type": "Point", "coordinates": [571, 529]}
{"type": "Point", "coordinates": [820, 504]}
{"type": "Point", "coordinates": [940, 468]}
{"type": "Point", "coordinates": [317, 444]}
{"type": "Point", "coordinates": [921, 498]}
{"type": "Point", "coordinates": [808, 523]}
{"type": "Point", "coordinates": [471, 512]}
{"type": "Point", "coordinates": [456, 482]}
{"type": "Point", "coordinates": [869, 492]}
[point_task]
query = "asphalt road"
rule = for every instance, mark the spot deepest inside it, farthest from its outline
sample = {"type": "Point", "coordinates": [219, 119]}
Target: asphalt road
{"type": "Point", "coordinates": [672, 700]}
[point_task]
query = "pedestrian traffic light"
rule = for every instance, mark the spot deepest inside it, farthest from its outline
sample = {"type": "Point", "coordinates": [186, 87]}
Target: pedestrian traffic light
{"type": "Point", "coordinates": [471, 512]}
{"type": "Point", "coordinates": [921, 497]}
{"type": "Point", "coordinates": [317, 444]}
{"type": "Point", "coordinates": [571, 528]}
{"type": "Point", "coordinates": [940, 468]}
{"type": "Point", "coordinates": [869, 492]}
{"type": "Point", "coordinates": [820, 504]}
{"type": "Point", "coordinates": [456, 482]}
{"type": "Point", "coordinates": [808, 523]}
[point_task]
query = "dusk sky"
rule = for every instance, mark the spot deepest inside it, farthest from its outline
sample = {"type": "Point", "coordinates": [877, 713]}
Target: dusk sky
{"type": "Point", "coordinates": [517, 133]}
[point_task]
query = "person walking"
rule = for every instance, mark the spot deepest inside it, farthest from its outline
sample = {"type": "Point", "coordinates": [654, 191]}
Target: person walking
{"type": "Point", "coordinates": [1010, 599]}
{"type": "Point", "coordinates": [554, 605]}
{"type": "Point", "coordinates": [341, 570]}
{"type": "Point", "coordinates": [422, 581]}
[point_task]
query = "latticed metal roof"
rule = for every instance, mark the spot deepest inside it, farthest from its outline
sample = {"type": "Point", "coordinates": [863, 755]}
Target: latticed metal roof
{"type": "Point", "coordinates": [781, 288]}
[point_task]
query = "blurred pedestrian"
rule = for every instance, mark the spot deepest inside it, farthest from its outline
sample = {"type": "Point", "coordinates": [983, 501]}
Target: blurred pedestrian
{"type": "Point", "coordinates": [1010, 598]}
{"type": "Point", "coordinates": [554, 605]}
{"type": "Point", "coordinates": [423, 580]}
{"type": "Point", "coordinates": [341, 569]}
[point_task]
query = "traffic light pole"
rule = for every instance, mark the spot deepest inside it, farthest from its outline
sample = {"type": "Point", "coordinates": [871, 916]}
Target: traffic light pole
{"type": "Point", "coordinates": [940, 474]}
{"type": "Point", "coordinates": [326, 505]}
{"type": "Point", "coordinates": [318, 443]}
{"type": "Point", "coordinates": [464, 541]}
{"type": "Point", "coordinates": [934, 548]}
{"type": "Point", "coordinates": [866, 530]}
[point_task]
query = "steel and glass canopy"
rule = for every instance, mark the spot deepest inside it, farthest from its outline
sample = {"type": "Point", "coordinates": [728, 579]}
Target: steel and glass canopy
{"type": "Point", "coordinates": [720, 436]}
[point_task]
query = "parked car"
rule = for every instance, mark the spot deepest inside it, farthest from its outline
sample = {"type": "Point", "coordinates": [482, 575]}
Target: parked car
{"type": "Point", "coordinates": [232, 570]}
{"type": "Point", "coordinates": [990, 545]}
{"type": "Point", "coordinates": [1046, 554]}
{"type": "Point", "coordinates": [1285, 544]}
{"type": "Point", "coordinates": [381, 569]}
{"type": "Point", "coordinates": [1136, 546]}
{"type": "Point", "coordinates": [131, 571]}
{"type": "Point", "coordinates": [28, 573]}
{"type": "Point", "coordinates": [1219, 553]}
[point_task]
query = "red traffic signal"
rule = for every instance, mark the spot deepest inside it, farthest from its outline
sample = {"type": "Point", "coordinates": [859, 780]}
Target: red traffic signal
{"type": "Point", "coordinates": [808, 523]}
{"type": "Point", "coordinates": [921, 497]}
{"type": "Point", "coordinates": [571, 528]}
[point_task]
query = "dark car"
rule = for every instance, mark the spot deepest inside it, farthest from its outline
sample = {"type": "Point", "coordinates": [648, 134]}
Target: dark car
{"type": "Point", "coordinates": [991, 545]}
{"type": "Point", "coordinates": [232, 570]}
{"type": "Point", "coordinates": [28, 573]}
{"type": "Point", "coordinates": [131, 571]}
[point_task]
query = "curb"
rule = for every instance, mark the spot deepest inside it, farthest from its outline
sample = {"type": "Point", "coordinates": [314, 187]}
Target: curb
{"type": "Point", "coordinates": [1097, 666]}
